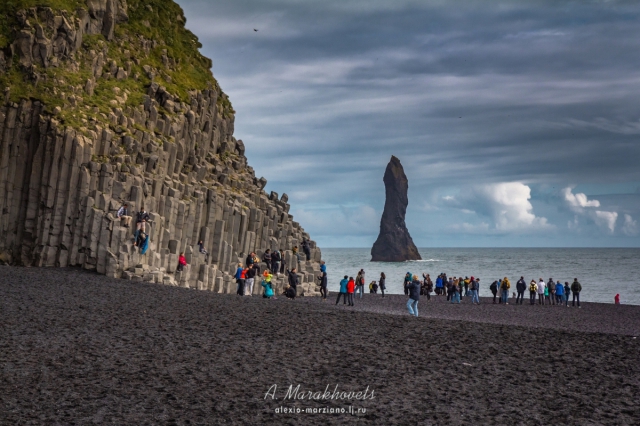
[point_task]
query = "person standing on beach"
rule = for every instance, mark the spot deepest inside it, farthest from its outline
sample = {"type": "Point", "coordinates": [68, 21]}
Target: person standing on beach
{"type": "Point", "coordinates": [293, 279]}
{"type": "Point", "coordinates": [382, 282]}
{"type": "Point", "coordinates": [559, 293]}
{"type": "Point", "coordinates": [521, 286]}
{"type": "Point", "coordinates": [455, 291]}
{"type": "Point", "coordinates": [351, 285]}
{"type": "Point", "coordinates": [343, 290]}
{"type": "Point", "coordinates": [323, 286]}
{"type": "Point", "coordinates": [240, 277]}
{"type": "Point", "coordinates": [533, 289]}
{"type": "Point", "coordinates": [504, 287]}
{"type": "Point", "coordinates": [426, 287]}
{"type": "Point", "coordinates": [473, 286]}
{"type": "Point", "coordinates": [576, 288]}
{"type": "Point", "coordinates": [407, 280]}
{"type": "Point", "coordinates": [567, 293]}
{"type": "Point", "coordinates": [248, 282]}
{"type": "Point", "coordinates": [466, 282]}
{"type": "Point", "coordinates": [360, 283]}
{"type": "Point", "coordinates": [551, 288]}
{"type": "Point", "coordinates": [494, 290]}
{"type": "Point", "coordinates": [414, 296]}
{"type": "Point", "coordinates": [541, 290]}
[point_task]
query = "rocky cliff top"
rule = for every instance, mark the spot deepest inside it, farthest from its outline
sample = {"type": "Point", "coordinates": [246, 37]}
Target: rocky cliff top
{"type": "Point", "coordinates": [109, 102]}
{"type": "Point", "coordinates": [52, 50]}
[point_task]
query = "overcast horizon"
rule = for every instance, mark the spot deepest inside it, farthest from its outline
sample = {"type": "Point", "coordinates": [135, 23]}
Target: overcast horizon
{"type": "Point", "coordinates": [517, 124]}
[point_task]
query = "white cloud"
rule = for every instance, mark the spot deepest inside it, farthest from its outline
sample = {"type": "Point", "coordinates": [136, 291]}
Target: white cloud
{"type": "Point", "coordinates": [630, 226]}
{"type": "Point", "coordinates": [606, 219]}
{"type": "Point", "coordinates": [578, 201]}
{"type": "Point", "coordinates": [510, 206]}
{"type": "Point", "coordinates": [506, 203]}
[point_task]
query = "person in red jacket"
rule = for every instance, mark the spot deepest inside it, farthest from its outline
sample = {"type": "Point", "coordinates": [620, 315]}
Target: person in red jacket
{"type": "Point", "coordinates": [182, 261]}
{"type": "Point", "coordinates": [351, 286]}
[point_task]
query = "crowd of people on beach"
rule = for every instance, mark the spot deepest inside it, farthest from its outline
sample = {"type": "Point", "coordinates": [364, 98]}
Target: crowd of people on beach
{"type": "Point", "coordinates": [554, 293]}
{"type": "Point", "coordinates": [275, 264]}
{"type": "Point", "coordinates": [455, 289]}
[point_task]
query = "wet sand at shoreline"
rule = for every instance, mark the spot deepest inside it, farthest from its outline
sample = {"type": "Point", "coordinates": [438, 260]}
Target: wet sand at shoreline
{"type": "Point", "coordinates": [79, 348]}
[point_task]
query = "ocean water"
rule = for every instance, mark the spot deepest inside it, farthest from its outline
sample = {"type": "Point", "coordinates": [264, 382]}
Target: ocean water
{"type": "Point", "coordinates": [603, 272]}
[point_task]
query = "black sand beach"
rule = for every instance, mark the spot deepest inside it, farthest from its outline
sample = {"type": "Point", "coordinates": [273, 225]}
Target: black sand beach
{"type": "Point", "coordinates": [79, 348]}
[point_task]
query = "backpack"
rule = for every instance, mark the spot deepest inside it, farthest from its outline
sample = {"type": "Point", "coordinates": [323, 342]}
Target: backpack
{"type": "Point", "coordinates": [532, 287]}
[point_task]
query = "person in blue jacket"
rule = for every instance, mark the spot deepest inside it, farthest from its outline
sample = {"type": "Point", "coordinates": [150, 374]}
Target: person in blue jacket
{"type": "Point", "coordinates": [323, 267]}
{"type": "Point", "coordinates": [559, 293]}
{"type": "Point", "coordinates": [268, 290]}
{"type": "Point", "coordinates": [439, 285]}
{"type": "Point", "coordinates": [239, 280]}
{"type": "Point", "coordinates": [343, 290]}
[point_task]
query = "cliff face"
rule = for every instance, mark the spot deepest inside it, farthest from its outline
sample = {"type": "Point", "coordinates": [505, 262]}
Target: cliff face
{"type": "Point", "coordinates": [96, 112]}
{"type": "Point", "coordinates": [394, 244]}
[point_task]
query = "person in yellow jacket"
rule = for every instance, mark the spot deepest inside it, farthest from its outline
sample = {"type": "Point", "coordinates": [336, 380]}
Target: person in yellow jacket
{"type": "Point", "coordinates": [533, 289]}
{"type": "Point", "coordinates": [504, 288]}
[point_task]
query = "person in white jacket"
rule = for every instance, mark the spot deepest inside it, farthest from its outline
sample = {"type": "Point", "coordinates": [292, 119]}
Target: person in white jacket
{"type": "Point", "coordinates": [541, 287]}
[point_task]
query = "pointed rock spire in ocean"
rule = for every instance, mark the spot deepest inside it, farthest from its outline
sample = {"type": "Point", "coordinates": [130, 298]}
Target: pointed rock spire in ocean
{"type": "Point", "coordinates": [394, 244]}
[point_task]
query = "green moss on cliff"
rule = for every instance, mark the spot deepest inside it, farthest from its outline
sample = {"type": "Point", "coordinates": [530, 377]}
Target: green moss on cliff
{"type": "Point", "coordinates": [161, 21]}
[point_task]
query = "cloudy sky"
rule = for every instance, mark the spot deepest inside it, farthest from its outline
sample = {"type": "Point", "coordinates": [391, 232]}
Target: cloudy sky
{"type": "Point", "coordinates": [517, 123]}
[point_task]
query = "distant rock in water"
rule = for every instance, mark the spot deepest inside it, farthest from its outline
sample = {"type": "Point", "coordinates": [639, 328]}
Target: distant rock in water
{"type": "Point", "coordinates": [394, 244]}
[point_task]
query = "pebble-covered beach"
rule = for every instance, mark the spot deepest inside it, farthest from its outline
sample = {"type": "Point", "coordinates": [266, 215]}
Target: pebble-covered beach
{"type": "Point", "coordinates": [80, 348]}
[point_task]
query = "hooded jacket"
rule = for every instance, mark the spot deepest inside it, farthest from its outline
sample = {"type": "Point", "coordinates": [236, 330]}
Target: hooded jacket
{"type": "Point", "coordinates": [268, 290]}
{"type": "Point", "coordinates": [576, 287]}
{"type": "Point", "coordinates": [351, 286]}
{"type": "Point", "coordinates": [414, 290]}
{"type": "Point", "coordinates": [559, 289]}
{"type": "Point", "coordinates": [293, 279]}
{"type": "Point", "coordinates": [521, 286]}
{"type": "Point", "coordinates": [343, 285]}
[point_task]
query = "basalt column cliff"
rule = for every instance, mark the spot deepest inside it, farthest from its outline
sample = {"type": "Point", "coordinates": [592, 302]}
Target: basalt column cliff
{"type": "Point", "coordinates": [110, 101]}
{"type": "Point", "coordinates": [394, 244]}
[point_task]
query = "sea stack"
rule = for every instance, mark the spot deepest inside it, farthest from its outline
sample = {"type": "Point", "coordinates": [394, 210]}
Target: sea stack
{"type": "Point", "coordinates": [394, 244]}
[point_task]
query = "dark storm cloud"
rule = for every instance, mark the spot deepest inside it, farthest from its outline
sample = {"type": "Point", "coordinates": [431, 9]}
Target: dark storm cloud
{"type": "Point", "coordinates": [466, 93]}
